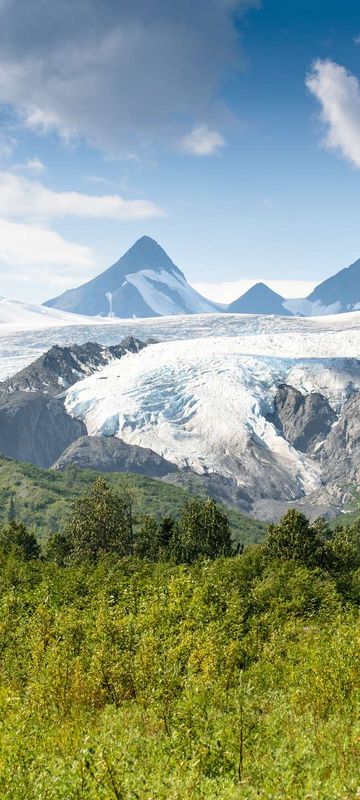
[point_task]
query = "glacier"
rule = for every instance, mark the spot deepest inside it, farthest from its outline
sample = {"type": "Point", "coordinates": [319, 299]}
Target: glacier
{"type": "Point", "coordinates": [202, 404]}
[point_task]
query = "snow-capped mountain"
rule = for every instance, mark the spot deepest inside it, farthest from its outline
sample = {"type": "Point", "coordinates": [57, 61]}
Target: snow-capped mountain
{"type": "Point", "coordinates": [260, 299]}
{"type": "Point", "coordinates": [335, 295]}
{"type": "Point", "coordinates": [339, 293]}
{"type": "Point", "coordinates": [143, 283]}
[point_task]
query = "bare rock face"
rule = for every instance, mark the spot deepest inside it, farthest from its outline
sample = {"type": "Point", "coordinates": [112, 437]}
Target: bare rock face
{"type": "Point", "coordinates": [35, 428]}
{"type": "Point", "coordinates": [108, 454]}
{"type": "Point", "coordinates": [340, 455]}
{"type": "Point", "coordinates": [269, 510]}
{"type": "Point", "coordinates": [61, 367]}
{"type": "Point", "coordinates": [304, 421]}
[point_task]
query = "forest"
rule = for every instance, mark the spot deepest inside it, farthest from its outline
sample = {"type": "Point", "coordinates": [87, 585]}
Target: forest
{"type": "Point", "coordinates": [156, 658]}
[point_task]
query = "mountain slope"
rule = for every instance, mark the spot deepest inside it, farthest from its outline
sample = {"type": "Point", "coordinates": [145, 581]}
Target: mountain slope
{"type": "Point", "coordinates": [339, 293]}
{"type": "Point", "coordinates": [109, 454]}
{"type": "Point", "coordinates": [36, 428]}
{"type": "Point", "coordinates": [259, 300]}
{"type": "Point", "coordinates": [61, 367]}
{"type": "Point", "coordinates": [143, 283]}
{"type": "Point", "coordinates": [44, 498]}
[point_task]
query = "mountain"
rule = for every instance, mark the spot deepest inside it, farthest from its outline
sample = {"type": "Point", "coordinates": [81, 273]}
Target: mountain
{"type": "Point", "coordinates": [36, 428]}
{"type": "Point", "coordinates": [61, 367]}
{"type": "Point", "coordinates": [259, 300]}
{"type": "Point", "coordinates": [34, 425]}
{"type": "Point", "coordinates": [335, 295]}
{"type": "Point", "coordinates": [143, 283]}
{"type": "Point", "coordinates": [339, 293]}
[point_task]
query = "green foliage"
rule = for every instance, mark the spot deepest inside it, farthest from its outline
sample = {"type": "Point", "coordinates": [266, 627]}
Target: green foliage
{"type": "Point", "coordinates": [101, 523]}
{"type": "Point", "coordinates": [124, 674]}
{"type": "Point", "coordinates": [294, 538]}
{"type": "Point", "coordinates": [17, 539]}
{"type": "Point", "coordinates": [232, 678]}
{"type": "Point", "coordinates": [203, 531]}
{"type": "Point", "coordinates": [44, 498]}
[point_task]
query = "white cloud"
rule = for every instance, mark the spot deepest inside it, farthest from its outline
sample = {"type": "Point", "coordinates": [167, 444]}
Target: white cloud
{"type": "Point", "coordinates": [31, 165]}
{"type": "Point", "coordinates": [30, 199]}
{"type": "Point", "coordinates": [202, 141]}
{"type": "Point", "coordinates": [228, 291]}
{"type": "Point", "coordinates": [119, 73]}
{"type": "Point", "coordinates": [25, 245]}
{"type": "Point", "coordinates": [338, 91]}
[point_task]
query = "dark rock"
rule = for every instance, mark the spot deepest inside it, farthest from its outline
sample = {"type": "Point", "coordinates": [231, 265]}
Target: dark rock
{"type": "Point", "coordinates": [304, 421]}
{"type": "Point", "coordinates": [35, 428]}
{"type": "Point", "coordinates": [61, 367]}
{"type": "Point", "coordinates": [340, 455]}
{"type": "Point", "coordinates": [109, 454]}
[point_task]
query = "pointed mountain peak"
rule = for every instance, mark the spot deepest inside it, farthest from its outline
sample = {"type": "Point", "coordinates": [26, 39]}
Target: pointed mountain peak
{"type": "Point", "coordinates": [259, 299]}
{"type": "Point", "coordinates": [146, 243]}
{"type": "Point", "coordinates": [146, 253]}
{"type": "Point", "coordinates": [144, 282]}
{"type": "Point", "coordinates": [261, 289]}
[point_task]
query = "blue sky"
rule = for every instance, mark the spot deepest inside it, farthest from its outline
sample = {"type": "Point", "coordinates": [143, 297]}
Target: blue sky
{"type": "Point", "coordinates": [229, 131]}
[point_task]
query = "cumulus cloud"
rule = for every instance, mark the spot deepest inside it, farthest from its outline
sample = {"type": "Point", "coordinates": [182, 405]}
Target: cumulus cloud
{"type": "Point", "coordinates": [202, 141]}
{"type": "Point", "coordinates": [338, 91]}
{"type": "Point", "coordinates": [24, 198]}
{"type": "Point", "coordinates": [119, 72]}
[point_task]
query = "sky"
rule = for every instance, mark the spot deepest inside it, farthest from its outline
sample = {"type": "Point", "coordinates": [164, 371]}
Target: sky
{"type": "Point", "coordinates": [228, 130]}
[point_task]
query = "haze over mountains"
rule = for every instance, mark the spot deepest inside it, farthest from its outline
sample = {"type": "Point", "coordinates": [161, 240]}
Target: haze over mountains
{"type": "Point", "coordinates": [145, 282]}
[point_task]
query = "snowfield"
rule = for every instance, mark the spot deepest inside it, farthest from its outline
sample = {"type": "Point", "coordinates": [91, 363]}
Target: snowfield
{"type": "Point", "coordinates": [16, 315]}
{"type": "Point", "coordinates": [22, 341]}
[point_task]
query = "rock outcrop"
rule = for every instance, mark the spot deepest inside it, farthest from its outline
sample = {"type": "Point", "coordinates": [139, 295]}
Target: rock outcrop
{"type": "Point", "coordinates": [109, 454]}
{"type": "Point", "coordinates": [303, 420]}
{"type": "Point", "coordinates": [36, 428]}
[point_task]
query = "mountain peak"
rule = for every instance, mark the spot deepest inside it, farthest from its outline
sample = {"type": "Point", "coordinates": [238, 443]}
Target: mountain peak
{"type": "Point", "coordinates": [144, 282]}
{"type": "Point", "coordinates": [259, 299]}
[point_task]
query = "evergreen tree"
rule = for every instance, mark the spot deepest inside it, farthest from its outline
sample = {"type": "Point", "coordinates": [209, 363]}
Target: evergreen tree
{"type": "Point", "coordinates": [59, 549]}
{"type": "Point", "coordinates": [146, 545]}
{"type": "Point", "coordinates": [102, 522]}
{"type": "Point", "coordinates": [293, 538]}
{"type": "Point", "coordinates": [16, 538]}
{"type": "Point", "coordinates": [203, 531]}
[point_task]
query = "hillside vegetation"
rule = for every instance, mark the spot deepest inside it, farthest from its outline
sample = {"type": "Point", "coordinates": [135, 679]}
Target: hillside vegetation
{"type": "Point", "coordinates": [151, 660]}
{"type": "Point", "coordinates": [43, 498]}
